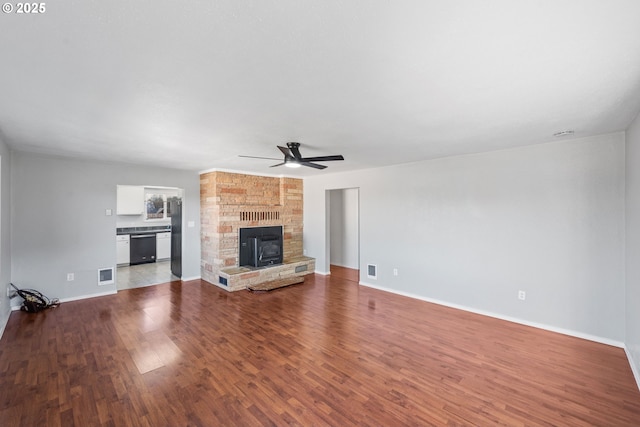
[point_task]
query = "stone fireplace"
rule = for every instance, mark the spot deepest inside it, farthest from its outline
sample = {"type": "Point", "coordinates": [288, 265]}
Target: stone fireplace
{"type": "Point", "coordinates": [229, 202]}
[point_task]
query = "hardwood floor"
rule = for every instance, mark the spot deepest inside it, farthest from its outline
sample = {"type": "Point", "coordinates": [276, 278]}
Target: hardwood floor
{"type": "Point", "coordinates": [327, 352]}
{"type": "Point", "coordinates": [344, 273]}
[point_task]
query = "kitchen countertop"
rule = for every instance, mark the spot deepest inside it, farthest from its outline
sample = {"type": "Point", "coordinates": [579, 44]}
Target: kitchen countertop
{"type": "Point", "coordinates": [143, 230]}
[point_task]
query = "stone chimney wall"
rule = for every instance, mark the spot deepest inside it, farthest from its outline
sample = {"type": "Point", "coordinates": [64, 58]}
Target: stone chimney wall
{"type": "Point", "coordinates": [230, 201]}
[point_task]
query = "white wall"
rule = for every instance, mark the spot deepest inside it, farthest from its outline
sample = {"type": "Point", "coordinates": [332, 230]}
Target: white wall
{"type": "Point", "coordinates": [632, 311]}
{"type": "Point", "coordinates": [5, 232]}
{"type": "Point", "coordinates": [60, 226]}
{"type": "Point", "coordinates": [471, 231]}
{"type": "Point", "coordinates": [344, 227]}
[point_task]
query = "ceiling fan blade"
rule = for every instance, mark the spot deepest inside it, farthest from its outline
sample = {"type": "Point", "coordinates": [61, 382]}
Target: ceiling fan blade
{"type": "Point", "coordinates": [322, 158]}
{"type": "Point", "coordinates": [254, 157]}
{"type": "Point", "coordinates": [279, 164]}
{"type": "Point", "coordinates": [285, 151]}
{"type": "Point", "coordinates": [313, 165]}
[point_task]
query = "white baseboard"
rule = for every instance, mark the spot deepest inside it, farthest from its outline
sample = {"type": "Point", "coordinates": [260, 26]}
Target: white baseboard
{"type": "Point", "coordinates": [101, 294]}
{"type": "Point", "coordinates": [636, 374]}
{"type": "Point", "coordinates": [5, 321]}
{"type": "Point", "coordinates": [323, 273]}
{"type": "Point", "coordinates": [188, 279]}
{"type": "Point", "coordinates": [563, 331]}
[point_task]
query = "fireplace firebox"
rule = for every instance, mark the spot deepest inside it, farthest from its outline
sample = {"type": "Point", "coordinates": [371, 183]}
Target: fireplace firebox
{"type": "Point", "coordinates": [260, 246]}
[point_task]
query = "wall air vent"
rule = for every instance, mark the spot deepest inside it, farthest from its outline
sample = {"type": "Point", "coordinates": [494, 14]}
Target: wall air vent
{"type": "Point", "coordinates": [372, 271]}
{"type": "Point", "coordinates": [105, 276]}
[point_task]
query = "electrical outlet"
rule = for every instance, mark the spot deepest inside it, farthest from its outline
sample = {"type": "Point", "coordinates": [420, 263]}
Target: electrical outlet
{"type": "Point", "coordinates": [71, 277]}
{"type": "Point", "coordinates": [395, 271]}
{"type": "Point", "coordinates": [522, 295]}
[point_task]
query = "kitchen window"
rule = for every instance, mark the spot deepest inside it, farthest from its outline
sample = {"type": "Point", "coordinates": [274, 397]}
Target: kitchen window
{"type": "Point", "coordinates": [155, 207]}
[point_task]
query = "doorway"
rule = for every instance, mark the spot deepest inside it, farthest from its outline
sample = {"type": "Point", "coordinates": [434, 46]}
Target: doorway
{"type": "Point", "coordinates": [155, 213]}
{"type": "Point", "coordinates": [343, 233]}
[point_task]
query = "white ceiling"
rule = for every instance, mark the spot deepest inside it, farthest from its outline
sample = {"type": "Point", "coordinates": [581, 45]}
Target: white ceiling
{"type": "Point", "coordinates": [194, 84]}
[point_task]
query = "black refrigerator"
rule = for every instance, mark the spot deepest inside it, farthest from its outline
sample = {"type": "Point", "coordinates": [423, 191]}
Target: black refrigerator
{"type": "Point", "coordinates": [175, 206]}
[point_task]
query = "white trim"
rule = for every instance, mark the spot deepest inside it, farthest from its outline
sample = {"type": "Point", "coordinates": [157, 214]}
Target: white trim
{"type": "Point", "coordinates": [157, 187]}
{"type": "Point", "coordinates": [636, 374]}
{"type": "Point", "coordinates": [563, 331]}
{"type": "Point", "coordinates": [240, 172]}
{"type": "Point", "coordinates": [6, 320]}
{"type": "Point", "coordinates": [101, 294]}
{"type": "Point", "coordinates": [188, 279]}
{"type": "Point", "coordinates": [323, 273]}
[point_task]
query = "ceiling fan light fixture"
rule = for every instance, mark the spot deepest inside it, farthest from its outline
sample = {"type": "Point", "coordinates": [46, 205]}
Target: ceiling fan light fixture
{"type": "Point", "coordinates": [292, 164]}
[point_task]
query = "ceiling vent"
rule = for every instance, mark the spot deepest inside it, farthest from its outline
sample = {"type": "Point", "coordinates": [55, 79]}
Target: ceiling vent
{"type": "Point", "coordinates": [563, 133]}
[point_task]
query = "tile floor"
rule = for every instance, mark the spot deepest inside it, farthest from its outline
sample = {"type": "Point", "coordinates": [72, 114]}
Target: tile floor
{"type": "Point", "coordinates": [137, 276]}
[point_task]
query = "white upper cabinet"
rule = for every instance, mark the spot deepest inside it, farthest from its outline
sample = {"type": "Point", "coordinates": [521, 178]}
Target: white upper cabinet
{"type": "Point", "coordinates": [130, 200]}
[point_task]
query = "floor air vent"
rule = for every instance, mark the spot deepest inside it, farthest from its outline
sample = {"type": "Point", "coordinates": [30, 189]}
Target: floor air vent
{"type": "Point", "coordinates": [372, 271]}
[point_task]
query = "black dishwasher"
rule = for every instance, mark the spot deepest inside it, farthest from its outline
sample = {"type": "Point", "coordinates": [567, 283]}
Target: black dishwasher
{"type": "Point", "coordinates": [142, 248]}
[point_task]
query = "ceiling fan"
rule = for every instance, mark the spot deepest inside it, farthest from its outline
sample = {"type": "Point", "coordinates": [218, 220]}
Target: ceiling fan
{"type": "Point", "coordinates": [293, 158]}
